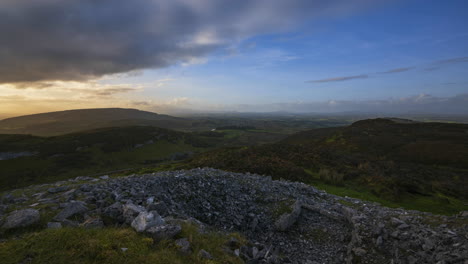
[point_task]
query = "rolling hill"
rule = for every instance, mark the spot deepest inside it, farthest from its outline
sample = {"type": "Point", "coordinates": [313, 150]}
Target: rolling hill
{"type": "Point", "coordinates": [65, 122]}
{"type": "Point", "coordinates": [27, 159]}
{"type": "Point", "coordinates": [418, 165]}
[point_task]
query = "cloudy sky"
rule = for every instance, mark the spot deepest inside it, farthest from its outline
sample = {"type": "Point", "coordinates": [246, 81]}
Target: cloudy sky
{"type": "Point", "coordinates": [224, 55]}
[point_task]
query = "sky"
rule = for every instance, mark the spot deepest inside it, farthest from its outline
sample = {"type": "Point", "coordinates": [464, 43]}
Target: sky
{"type": "Point", "coordinates": [174, 56]}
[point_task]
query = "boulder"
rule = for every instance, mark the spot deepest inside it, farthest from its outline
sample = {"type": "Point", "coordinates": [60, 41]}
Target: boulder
{"type": "Point", "coordinates": [114, 212]}
{"type": "Point", "coordinates": [130, 211]}
{"type": "Point", "coordinates": [162, 232]}
{"type": "Point", "coordinates": [287, 220]}
{"type": "Point", "coordinates": [21, 218]}
{"type": "Point", "coordinates": [145, 220]}
{"type": "Point", "coordinates": [71, 209]}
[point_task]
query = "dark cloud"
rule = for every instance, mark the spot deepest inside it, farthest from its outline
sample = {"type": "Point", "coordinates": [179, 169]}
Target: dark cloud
{"type": "Point", "coordinates": [340, 79]}
{"type": "Point", "coordinates": [84, 39]}
{"type": "Point", "coordinates": [397, 70]}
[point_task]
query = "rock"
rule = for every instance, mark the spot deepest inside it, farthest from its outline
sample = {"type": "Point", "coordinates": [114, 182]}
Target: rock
{"type": "Point", "coordinates": [145, 220]}
{"type": "Point", "coordinates": [287, 220]}
{"type": "Point", "coordinates": [160, 207]}
{"type": "Point", "coordinates": [71, 209]}
{"type": "Point", "coordinates": [58, 189]}
{"type": "Point", "coordinates": [70, 223]}
{"type": "Point", "coordinates": [403, 226]}
{"type": "Point", "coordinates": [124, 249]}
{"type": "Point", "coordinates": [104, 177]}
{"type": "Point", "coordinates": [115, 212]}
{"type": "Point", "coordinates": [93, 222]}
{"type": "Point", "coordinates": [359, 252]}
{"type": "Point", "coordinates": [21, 218]}
{"type": "Point", "coordinates": [54, 225]}
{"type": "Point", "coordinates": [184, 246]}
{"type": "Point", "coordinates": [130, 211]}
{"type": "Point", "coordinates": [396, 221]}
{"type": "Point", "coordinates": [463, 214]}
{"type": "Point", "coordinates": [233, 243]}
{"type": "Point", "coordinates": [161, 232]}
{"type": "Point", "coordinates": [203, 254]}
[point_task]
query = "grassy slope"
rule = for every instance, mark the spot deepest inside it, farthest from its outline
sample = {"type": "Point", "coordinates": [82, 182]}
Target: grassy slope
{"type": "Point", "coordinates": [373, 160]}
{"type": "Point", "coordinates": [79, 245]}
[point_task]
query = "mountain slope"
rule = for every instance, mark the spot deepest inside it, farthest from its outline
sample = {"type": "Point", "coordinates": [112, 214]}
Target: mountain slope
{"type": "Point", "coordinates": [64, 122]}
{"type": "Point", "coordinates": [417, 165]}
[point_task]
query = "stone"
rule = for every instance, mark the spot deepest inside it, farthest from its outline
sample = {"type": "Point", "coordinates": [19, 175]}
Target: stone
{"type": "Point", "coordinates": [58, 189]}
{"type": "Point", "coordinates": [130, 211]}
{"type": "Point", "coordinates": [183, 245]}
{"type": "Point", "coordinates": [54, 225]}
{"type": "Point", "coordinates": [287, 220]}
{"type": "Point", "coordinates": [145, 220]}
{"type": "Point", "coordinates": [104, 177]}
{"type": "Point", "coordinates": [203, 254]}
{"type": "Point", "coordinates": [403, 226]}
{"type": "Point", "coordinates": [21, 218]}
{"type": "Point", "coordinates": [359, 251]}
{"type": "Point", "coordinates": [162, 232]}
{"type": "Point", "coordinates": [160, 207]}
{"type": "Point", "coordinates": [93, 222]}
{"type": "Point", "coordinates": [71, 209]}
{"type": "Point", "coordinates": [114, 212]}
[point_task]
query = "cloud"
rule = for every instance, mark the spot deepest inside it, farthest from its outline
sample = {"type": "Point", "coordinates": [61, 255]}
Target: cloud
{"type": "Point", "coordinates": [422, 103]}
{"type": "Point", "coordinates": [48, 40]}
{"type": "Point", "coordinates": [453, 60]}
{"type": "Point", "coordinates": [397, 70]}
{"type": "Point", "coordinates": [340, 79]}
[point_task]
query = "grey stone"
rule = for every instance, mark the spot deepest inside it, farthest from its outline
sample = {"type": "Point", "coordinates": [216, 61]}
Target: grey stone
{"type": "Point", "coordinates": [21, 218]}
{"type": "Point", "coordinates": [130, 211]}
{"type": "Point", "coordinates": [145, 220]}
{"type": "Point", "coordinates": [54, 225]}
{"type": "Point", "coordinates": [58, 189]}
{"type": "Point", "coordinates": [203, 254]}
{"type": "Point", "coordinates": [93, 222]}
{"type": "Point", "coordinates": [183, 245]}
{"type": "Point", "coordinates": [287, 220]}
{"type": "Point", "coordinates": [71, 209]}
{"type": "Point", "coordinates": [162, 232]}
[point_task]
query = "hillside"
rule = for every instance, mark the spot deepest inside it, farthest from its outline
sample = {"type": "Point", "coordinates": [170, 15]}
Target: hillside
{"type": "Point", "coordinates": [26, 159]}
{"type": "Point", "coordinates": [208, 216]}
{"type": "Point", "coordinates": [399, 163]}
{"type": "Point", "coordinates": [65, 122]}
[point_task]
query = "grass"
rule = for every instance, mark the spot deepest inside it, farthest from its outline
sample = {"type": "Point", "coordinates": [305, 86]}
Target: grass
{"type": "Point", "coordinates": [438, 203]}
{"type": "Point", "coordinates": [79, 245]}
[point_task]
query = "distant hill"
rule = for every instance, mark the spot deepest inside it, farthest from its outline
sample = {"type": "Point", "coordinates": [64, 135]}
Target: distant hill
{"type": "Point", "coordinates": [419, 165]}
{"type": "Point", "coordinates": [65, 122]}
{"type": "Point", "coordinates": [26, 159]}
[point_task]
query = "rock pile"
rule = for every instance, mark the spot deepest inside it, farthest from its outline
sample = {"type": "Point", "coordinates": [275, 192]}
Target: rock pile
{"type": "Point", "coordinates": [292, 220]}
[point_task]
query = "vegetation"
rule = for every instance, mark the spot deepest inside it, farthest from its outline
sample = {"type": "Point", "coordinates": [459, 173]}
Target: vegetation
{"type": "Point", "coordinates": [396, 163]}
{"type": "Point", "coordinates": [112, 245]}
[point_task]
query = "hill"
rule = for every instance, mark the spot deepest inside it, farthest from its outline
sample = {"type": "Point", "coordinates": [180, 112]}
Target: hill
{"type": "Point", "coordinates": [396, 162]}
{"type": "Point", "coordinates": [27, 159]}
{"type": "Point", "coordinates": [70, 121]}
{"type": "Point", "coordinates": [175, 216]}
